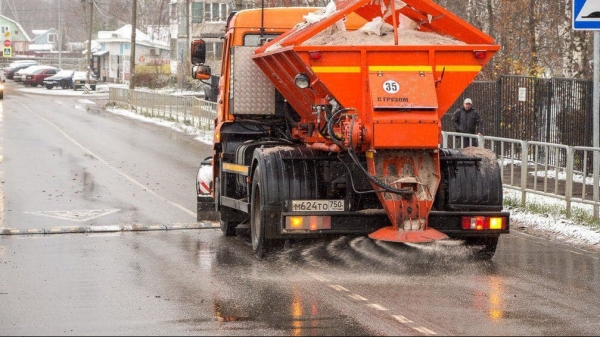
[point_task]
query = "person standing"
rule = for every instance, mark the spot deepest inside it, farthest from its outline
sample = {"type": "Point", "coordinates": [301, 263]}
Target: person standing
{"type": "Point", "coordinates": [466, 119]}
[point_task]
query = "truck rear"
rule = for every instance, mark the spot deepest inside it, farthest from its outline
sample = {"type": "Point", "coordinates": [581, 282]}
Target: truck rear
{"type": "Point", "coordinates": [328, 123]}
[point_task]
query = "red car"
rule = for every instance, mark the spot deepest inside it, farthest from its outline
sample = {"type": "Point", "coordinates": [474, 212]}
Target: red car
{"type": "Point", "coordinates": [37, 77]}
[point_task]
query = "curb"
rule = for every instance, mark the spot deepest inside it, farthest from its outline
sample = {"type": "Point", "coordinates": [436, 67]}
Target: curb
{"type": "Point", "coordinates": [107, 229]}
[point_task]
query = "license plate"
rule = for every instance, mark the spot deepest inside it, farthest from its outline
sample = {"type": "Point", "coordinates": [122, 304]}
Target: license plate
{"type": "Point", "coordinates": [317, 205]}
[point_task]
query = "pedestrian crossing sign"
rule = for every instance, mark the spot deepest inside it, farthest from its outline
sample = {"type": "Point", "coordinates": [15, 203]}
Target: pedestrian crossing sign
{"type": "Point", "coordinates": [6, 51]}
{"type": "Point", "coordinates": [586, 14]}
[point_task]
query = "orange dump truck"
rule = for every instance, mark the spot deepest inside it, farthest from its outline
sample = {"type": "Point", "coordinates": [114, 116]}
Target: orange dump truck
{"type": "Point", "coordinates": [328, 123]}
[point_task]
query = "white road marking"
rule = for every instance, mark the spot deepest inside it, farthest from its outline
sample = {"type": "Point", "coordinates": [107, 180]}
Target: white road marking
{"type": "Point", "coordinates": [425, 330]}
{"type": "Point", "coordinates": [377, 306]}
{"type": "Point", "coordinates": [357, 297]}
{"type": "Point", "coordinates": [338, 287]}
{"type": "Point", "coordinates": [76, 215]}
{"type": "Point", "coordinates": [402, 319]}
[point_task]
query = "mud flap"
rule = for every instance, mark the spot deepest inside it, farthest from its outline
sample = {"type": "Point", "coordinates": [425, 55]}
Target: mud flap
{"type": "Point", "coordinates": [206, 210]}
{"type": "Point", "coordinates": [390, 233]}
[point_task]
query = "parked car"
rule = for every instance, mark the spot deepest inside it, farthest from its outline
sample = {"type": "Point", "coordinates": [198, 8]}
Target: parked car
{"type": "Point", "coordinates": [17, 62]}
{"type": "Point", "coordinates": [19, 76]}
{"type": "Point", "coordinates": [80, 80]}
{"type": "Point", "coordinates": [10, 71]}
{"type": "Point", "coordinates": [62, 79]}
{"type": "Point", "coordinates": [37, 77]}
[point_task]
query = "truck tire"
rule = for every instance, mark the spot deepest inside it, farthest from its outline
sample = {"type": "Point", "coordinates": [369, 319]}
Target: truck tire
{"type": "Point", "coordinates": [484, 248]}
{"type": "Point", "coordinates": [260, 245]}
{"type": "Point", "coordinates": [49, 87]}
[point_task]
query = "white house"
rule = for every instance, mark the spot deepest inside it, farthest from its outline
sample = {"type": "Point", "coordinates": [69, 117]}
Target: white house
{"type": "Point", "coordinates": [12, 32]}
{"type": "Point", "coordinates": [111, 58]}
{"type": "Point", "coordinates": [44, 40]}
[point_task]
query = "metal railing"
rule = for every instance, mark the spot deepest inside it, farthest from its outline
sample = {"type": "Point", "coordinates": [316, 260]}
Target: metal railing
{"type": "Point", "coordinates": [559, 171]}
{"type": "Point", "coordinates": [187, 110]}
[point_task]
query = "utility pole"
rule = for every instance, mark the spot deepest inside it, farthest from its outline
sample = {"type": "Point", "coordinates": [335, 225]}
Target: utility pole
{"type": "Point", "coordinates": [132, 49]}
{"type": "Point", "coordinates": [59, 37]}
{"type": "Point", "coordinates": [89, 48]}
{"type": "Point", "coordinates": [184, 53]}
{"type": "Point", "coordinates": [188, 34]}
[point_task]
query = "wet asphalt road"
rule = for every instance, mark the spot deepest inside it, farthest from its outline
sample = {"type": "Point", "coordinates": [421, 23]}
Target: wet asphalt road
{"type": "Point", "coordinates": [66, 162]}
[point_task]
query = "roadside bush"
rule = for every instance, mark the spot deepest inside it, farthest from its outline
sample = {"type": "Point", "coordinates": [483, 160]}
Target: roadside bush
{"type": "Point", "coordinates": [152, 80]}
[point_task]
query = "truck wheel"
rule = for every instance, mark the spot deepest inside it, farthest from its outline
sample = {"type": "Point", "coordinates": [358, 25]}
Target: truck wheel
{"type": "Point", "coordinates": [260, 245]}
{"type": "Point", "coordinates": [49, 87]}
{"type": "Point", "coordinates": [483, 248]}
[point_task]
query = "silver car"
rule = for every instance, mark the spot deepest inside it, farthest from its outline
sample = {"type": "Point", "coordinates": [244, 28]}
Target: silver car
{"type": "Point", "coordinates": [80, 80]}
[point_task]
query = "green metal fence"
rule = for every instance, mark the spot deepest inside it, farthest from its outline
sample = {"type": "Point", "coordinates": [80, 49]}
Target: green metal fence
{"type": "Point", "coordinates": [181, 109]}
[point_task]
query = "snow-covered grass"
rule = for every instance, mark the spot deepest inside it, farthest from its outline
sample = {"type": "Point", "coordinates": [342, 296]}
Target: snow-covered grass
{"type": "Point", "coordinates": [549, 215]}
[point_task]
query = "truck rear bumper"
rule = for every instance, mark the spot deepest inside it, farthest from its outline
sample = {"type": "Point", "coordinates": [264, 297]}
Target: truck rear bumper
{"type": "Point", "coordinates": [366, 222]}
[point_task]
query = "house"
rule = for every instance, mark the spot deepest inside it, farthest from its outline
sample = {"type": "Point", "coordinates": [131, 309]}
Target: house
{"type": "Point", "coordinates": [14, 33]}
{"type": "Point", "coordinates": [112, 56]}
{"type": "Point", "coordinates": [44, 40]}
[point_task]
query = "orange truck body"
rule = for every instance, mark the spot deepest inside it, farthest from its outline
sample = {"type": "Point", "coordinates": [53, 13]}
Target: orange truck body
{"type": "Point", "coordinates": [379, 104]}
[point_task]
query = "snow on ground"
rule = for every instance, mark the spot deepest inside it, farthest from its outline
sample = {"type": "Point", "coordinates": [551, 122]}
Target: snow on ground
{"type": "Point", "coordinates": [557, 226]}
{"type": "Point", "coordinates": [553, 227]}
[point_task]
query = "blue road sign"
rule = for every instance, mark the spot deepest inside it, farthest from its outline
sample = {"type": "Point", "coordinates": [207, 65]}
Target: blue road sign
{"type": "Point", "coordinates": [586, 14]}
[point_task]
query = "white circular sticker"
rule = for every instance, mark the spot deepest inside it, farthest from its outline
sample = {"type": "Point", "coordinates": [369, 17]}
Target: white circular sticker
{"type": "Point", "coordinates": [391, 86]}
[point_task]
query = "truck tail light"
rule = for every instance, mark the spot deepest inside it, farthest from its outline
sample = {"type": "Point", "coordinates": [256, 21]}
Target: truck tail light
{"type": "Point", "coordinates": [480, 54]}
{"type": "Point", "coordinates": [483, 222]}
{"type": "Point", "coordinates": [314, 55]}
{"type": "Point", "coordinates": [308, 222]}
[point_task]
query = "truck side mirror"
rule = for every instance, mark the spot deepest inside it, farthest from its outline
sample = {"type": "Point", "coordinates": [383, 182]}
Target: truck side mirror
{"type": "Point", "coordinates": [201, 72]}
{"type": "Point", "coordinates": [198, 52]}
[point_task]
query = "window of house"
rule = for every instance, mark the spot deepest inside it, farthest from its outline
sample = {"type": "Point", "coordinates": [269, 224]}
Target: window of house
{"type": "Point", "coordinates": [214, 50]}
{"type": "Point", "coordinates": [181, 49]}
{"type": "Point", "coordinates": [4, 29]}
{"type": "Point", "coordinates": [173, 12]}
{"type": "Point", "coordinates": [247, 5]}
{"type": "Point", "coordinates": [52, 37]}
{"type": "Point", "coordinates": [215, 12]}
{"type": "Point", "coordinates": [197, 12]}
{"type": "Point", "coordinates": [182, 29]}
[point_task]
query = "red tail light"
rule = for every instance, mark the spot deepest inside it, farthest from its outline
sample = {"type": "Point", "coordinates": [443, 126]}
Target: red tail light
{"type": "Point", "coordinates": [480, 54]}
{"type": "Point", "coordinates": [314, 55]}
{"type": "Point", "coordinates": [483, 222]}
